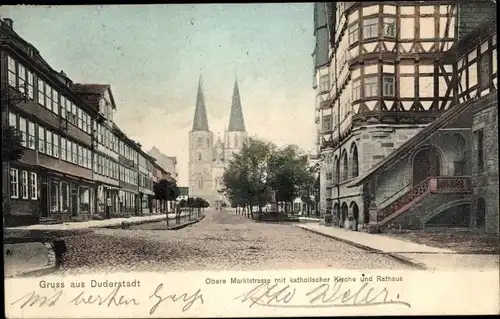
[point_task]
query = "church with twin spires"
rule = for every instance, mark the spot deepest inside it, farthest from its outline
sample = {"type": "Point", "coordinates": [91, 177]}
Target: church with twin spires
{"type": "Point", "coordinates": [208, 158]}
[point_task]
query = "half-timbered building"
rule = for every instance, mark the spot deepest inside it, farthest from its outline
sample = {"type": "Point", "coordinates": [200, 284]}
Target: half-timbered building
{"type": "Point", "coordinates": [53, 179]}
{"type": "Point", "coordinates": [389, 74]}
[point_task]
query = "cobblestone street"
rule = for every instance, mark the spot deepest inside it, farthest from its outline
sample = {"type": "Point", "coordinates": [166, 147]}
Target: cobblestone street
{"type": "Point", "coordinates": [222, 240]}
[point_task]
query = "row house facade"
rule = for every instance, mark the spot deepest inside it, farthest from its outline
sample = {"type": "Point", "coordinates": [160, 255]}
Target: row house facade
{"type": "Point", "coordinates": [383, 71]}
{"type": "Point", "coordinates": [76, 162]}
{"type": "Point", "coordinates": [53, 179]}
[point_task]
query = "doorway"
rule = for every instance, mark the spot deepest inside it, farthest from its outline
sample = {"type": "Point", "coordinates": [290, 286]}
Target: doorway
{"type": "Point", "coordinates": [44, 199]}
{"type": "Point", "coordinates": [74, 200]}
{"type": "Point", "coordinates": [344, 213]}
{"type": "Point", "coordinates": [355, 214]}
{"type": "Point", "coordinates": [426, 163]}
{"type": "Point", "coordinates": [481, 213]}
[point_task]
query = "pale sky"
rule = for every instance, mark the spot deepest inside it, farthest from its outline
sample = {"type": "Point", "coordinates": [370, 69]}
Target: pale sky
{"type": "Point", "coordinates": [152, 56]}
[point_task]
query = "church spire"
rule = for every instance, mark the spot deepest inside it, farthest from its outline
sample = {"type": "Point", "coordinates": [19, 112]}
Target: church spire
{"type": "Point", "coordinates": [236, 120]}
{"type": "Point", "coordinates": [200, 121]}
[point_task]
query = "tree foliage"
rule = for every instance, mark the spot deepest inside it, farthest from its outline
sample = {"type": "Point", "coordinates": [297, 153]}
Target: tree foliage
{"type": "Point", "coordinates": [261, 169]}
{"type": "Point", "coordinates": [166, 190]}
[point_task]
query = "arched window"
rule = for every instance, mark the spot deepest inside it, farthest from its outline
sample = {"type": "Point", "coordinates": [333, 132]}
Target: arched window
{"type": "Point", "coordinates": [200, 182]}
{"type": "Point", "coordinates": [199, 156]}
{"type": "Point", "coordinates": [208, 142]}
{"type": "Point", "coordinates": [345, 166]}
{"type": "Point", "coordinates": [336, 169]}
{"type": "Point", "coordinates": [200, 142]}
{"type": "Point", "coordinates": [354, 161]}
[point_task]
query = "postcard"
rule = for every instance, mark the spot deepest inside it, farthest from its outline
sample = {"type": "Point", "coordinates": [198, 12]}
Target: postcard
{"type": "Point", "coordinates": [250, 160]}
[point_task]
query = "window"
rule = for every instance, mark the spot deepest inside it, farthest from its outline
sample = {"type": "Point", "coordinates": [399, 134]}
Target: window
{"type": "Point", "coordinates": [480, 149]}
{"type": "Point", "coordinates": [484, 71]}
{"type": "Point", "coordinates": [21, 77]}
{"type": "Point", "coordinates": [14, 183]}
{"type": "Point", "coordinates": [389, 29]}
{"type": "Point", "coordinates": [354, 33]}
{"type": "Point", "coordinates": [23, 131]}
{"type": "Point", "coordinates": [84, 199]}
{"type": "Point", "coordinates": [31, 80]}
{"type": "Point", "coordinates": [34, 186]}
{"type": "Point", "coordinates": [63, 148]}
{"type": "Point", "coordinates": [24, 185]}
{"type": "Point", "coordinates": [200, 142]}
{"type": "Point", "coordinates": [80, 118]}
{"type": "Point", "coordinates": [89, 159]}
{"type": "Point", "coordinates": [55, 142]}
{"type": "Point", "coordinates": [95, 164]}
{"type": "Point", "coordinates": [55, 101]}
{"type": "Point", "coordinates": [235, 142]}
{"type": "Point", "coordinates": [65, 196]}
{"type": "Point", "coordinates": [99, 165]}
{"type": "Point", "coordinates": [324, 83]}
{"type": "Point", "coordinates": [48, 143]}
{"type": "Point", "coordinates": [54, 197]}
{"type": "Point", "coordinates": [41, 139]}
{"type": "Point", "coordinates": [356, 90]}
{"type": "Point", "coordinates": [64, 106]}
{"type": "Point", "coordinates": [69, 151]}
{"type": "Point", "coordinates": [12, 119]}
{"type": "Point", "coordinates": [371, 86]}
{"type": "Point", "coordinates": [48, 96]}
{"type": "Point", "coordinates": [327, 123]}
{"type": "Point", "coordinates": [370, 28]}
{"type": "Point", "coordinates": [31, 135]}
{"type": "Point", "coordinates": [80, 155]}
{"type": "Point", "coordinates": [12, 72]}
{"type": "Point", "coordinates": [74, 153]}
{"type": "Point", "coordinates": [41, 92]}
{"type": "Point", "coordinates": [388, 85]}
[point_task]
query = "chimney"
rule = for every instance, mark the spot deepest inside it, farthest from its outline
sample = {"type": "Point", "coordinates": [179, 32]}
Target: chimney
{"type": "Point", "coordinates": [9, 22]}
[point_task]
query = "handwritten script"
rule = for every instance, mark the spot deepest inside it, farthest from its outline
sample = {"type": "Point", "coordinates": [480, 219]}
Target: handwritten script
{"type": "Point", "coordinates": [322, 296]}
{"type": "Point", "coordinates": [116, 298]}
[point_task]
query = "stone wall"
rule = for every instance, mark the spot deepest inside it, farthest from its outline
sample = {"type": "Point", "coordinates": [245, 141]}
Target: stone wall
{"type": "Point", "coordinates": [485, 181]}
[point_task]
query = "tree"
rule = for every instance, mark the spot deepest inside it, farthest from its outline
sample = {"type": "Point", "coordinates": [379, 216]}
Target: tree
{"type": "Point", "coordinates": [166, 190]}
{"type": "Point", "coordinates": [245, 179]}
{"type": "Point", "coordinates": [290, 174]}
{"type": "Point", "coordinates": [183, 203]}
{"type": "Point", "coordinates": [261, 169]}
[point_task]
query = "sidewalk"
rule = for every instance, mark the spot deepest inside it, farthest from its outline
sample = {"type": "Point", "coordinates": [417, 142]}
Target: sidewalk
{"type": "Point", "coordinates": [417, 255]}
{"type": "Point", "coordinates": [96, 223]}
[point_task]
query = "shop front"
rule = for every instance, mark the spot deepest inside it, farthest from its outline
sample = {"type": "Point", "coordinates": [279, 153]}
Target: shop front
{"type": "Point", "coordinates": [108, 202]}
{"type": "Point", "coordinates": [65, 197]}
{"type": "Point", "coordinates": [128, 202]}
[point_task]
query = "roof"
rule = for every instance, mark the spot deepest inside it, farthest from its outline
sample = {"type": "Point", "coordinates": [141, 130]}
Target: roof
{"type": "Point", "coordinates": [161, 158]}
{"type": "Point", "coordinates": [90, 88]}
{"type": "Point", "coordinates": [200, 121]}
{"type": "Point", "coordinates": [236, 120]}
{"type": "Point", "coordinates": [448, 117]}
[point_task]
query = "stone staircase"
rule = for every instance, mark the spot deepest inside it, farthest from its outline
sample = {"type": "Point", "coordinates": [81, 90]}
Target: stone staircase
{"type": "Point", "coordinates": [413, 208]}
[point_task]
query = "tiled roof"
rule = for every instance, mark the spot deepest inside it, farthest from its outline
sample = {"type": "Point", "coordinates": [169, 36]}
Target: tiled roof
{"type": "Point", "coordinates": [97, 89]}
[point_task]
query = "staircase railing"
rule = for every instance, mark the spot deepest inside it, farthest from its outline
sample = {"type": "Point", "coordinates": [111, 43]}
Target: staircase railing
{"type": "Point", "coordinates": [417, 192]}
{"type": "Point", "coordinates": [438, 185]}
